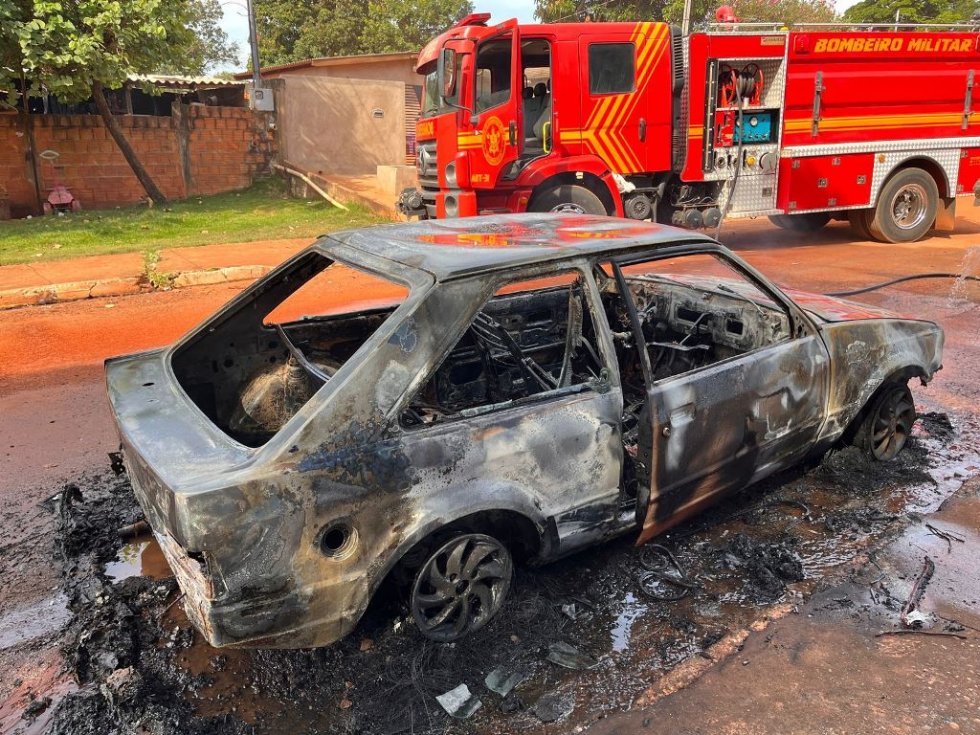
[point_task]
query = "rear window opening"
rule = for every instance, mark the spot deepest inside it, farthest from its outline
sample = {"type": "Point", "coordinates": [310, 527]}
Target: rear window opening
{"type": "Point", "coordinates": [254, 367]}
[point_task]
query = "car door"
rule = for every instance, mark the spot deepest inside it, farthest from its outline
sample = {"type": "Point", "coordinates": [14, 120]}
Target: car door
{"type": "Point", "coordinates": [551, 453]}
{"type": "Point", "coordinates": [731, 421]}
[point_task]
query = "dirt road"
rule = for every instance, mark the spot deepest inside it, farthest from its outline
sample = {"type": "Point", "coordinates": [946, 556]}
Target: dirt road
{"type": "Point", "coordinates": [55, 428]}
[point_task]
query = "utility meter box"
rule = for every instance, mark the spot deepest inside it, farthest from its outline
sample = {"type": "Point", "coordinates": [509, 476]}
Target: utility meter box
{"type": "Point", "coordinates": [260, 98]}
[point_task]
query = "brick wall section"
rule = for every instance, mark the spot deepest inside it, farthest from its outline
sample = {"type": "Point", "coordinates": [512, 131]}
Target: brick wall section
{"type": "Point", "coordinates": [200, 150]}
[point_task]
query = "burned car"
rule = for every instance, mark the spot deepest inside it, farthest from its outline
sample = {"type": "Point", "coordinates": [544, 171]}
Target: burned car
{"type": "Point", "coordinates": [428, 404]}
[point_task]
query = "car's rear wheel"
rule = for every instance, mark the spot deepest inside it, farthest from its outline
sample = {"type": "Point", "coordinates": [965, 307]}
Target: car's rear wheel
{"type": "Point", "coordinates": [569, 198]}
{"type": "Point", "coordinates": [888, 425]}
{"type": "Point", "coordinates": [906, 208]}
{"type": "Point", "coordinates": [461, 586]}
{"type": "Point", "coordinates": [809, 222]}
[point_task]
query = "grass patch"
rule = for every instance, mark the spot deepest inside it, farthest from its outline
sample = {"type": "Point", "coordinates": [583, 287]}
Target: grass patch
{"type": "Point", "coordinates": [262, 212]}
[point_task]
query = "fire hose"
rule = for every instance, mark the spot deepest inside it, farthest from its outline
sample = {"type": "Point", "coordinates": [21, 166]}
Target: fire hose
{"type": "Point", "coordinates": [892, 282]}
{"type": "Point", "coordinates": [744, 87]}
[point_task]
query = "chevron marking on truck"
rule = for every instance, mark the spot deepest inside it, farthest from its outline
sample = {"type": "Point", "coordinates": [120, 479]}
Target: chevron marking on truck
{"type": "Point", "coordinates": [603, 131]}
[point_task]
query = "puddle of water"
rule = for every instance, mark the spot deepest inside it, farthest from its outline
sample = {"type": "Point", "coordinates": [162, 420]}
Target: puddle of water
{"type": "Point", "coordinates": [622, 627]}
{"type": "Point", "coordinates": [954, 590]}
{"type": "Point", "coordinates": [139, 558]}
{"type": "Point", "coordinates": [28, 623]}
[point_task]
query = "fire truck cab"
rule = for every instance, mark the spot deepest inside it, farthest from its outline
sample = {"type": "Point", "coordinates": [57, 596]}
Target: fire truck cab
{"type": "Point", "coordinates": [635, 120]}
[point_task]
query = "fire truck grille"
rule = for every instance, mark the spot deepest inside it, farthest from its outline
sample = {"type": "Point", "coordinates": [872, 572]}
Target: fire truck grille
{"type": "Point", "coordinates": [426, 165]}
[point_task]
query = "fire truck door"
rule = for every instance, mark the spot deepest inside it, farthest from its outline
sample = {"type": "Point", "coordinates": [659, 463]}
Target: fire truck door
{"type": "Point", "coordinates": [622, 121]}
{"type": "Point", "coordinates": [497, 132]}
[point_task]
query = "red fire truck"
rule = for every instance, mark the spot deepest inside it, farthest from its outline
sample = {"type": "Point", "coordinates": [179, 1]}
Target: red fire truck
{"type": "Point", "coordinates": [636, 120]}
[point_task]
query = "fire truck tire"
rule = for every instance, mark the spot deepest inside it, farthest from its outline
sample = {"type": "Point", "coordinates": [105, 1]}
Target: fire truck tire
{"type": "Point", "coordinates": [906, 208]}
{"type": "Point", "coordinates": [860, 220]}
{"type": "Point", "coordinates": [567, 198]}
{"type": "Point", "coordinates": [810, 222]}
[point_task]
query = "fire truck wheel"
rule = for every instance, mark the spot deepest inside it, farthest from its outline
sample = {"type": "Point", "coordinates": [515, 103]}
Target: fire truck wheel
{"type": "Point", "coordinates": [567, 198]}
{"type": "Point", "coordinates": [906, 207]}
{"type": "Point", "coordinates": [810, 222]}
{"type": "Point", "coordinates": [860, 220]}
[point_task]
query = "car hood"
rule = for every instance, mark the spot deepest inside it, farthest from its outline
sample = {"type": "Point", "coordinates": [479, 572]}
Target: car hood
{"type": "Point", "coordinates": [832, 309]}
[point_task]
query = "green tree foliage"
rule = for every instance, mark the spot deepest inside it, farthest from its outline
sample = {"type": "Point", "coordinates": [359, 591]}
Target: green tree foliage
{"type": "Point", "coordinates": [785, 11]}
{"type": "Point", "coordinates": [76, 49]}
{"type": "Point", "coordinates": [912, 11]}
{"type": "Point", "coordinates": [672, 11]}
{"type": "Point", "coordinates": [210, 46]}
{"type": "Point", "coordinates": [290, 31]}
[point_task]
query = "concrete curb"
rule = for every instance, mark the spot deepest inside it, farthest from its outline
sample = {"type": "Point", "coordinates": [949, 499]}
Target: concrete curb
{"type": "Point", "coordinates": [125, 286]}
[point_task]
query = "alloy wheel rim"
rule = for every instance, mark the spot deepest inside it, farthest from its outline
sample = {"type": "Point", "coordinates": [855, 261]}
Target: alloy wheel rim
{"type": "Point", "coordinates": [461, 587]}
{"type": "Point", "coordinates": [892, 425]}
{"type": "Point", "coordinates": [909, 206]}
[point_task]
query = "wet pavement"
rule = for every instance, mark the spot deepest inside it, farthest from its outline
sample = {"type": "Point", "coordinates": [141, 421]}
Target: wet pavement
{"type": "Point", "coordinates": [704, 663]}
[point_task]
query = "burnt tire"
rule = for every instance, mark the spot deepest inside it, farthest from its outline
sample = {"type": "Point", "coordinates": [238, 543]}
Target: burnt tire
{"type": "Point", "coordinates": [567, 198]}
{"type": "Point", "coordinates": [460, 586]}
{"type": "Point", "coordinates": [809, 222]}
{"type": "Point", "coordinates": [860, 220]}
{"type": "Point", "coordinates": [888, 425]}
{"type": "Point", "coordinates": [906, 208]}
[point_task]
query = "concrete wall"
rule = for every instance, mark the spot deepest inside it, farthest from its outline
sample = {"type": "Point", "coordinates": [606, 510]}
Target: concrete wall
{"type": "Point", "coordinates": [200, 150]}
{"type": "Point", "coordinates": [328, 125]}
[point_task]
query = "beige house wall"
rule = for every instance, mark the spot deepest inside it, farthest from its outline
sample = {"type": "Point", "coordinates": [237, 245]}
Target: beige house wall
{"type": "Point", "coordinates": [329, 124]}
{"type": "Point", "coordinates": [394, 70]}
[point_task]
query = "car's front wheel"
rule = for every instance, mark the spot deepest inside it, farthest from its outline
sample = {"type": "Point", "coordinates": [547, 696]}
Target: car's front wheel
{"type": "Point", "coordinates": [461, 586]}
{"type": "Point", "coordinates": [888, 425]}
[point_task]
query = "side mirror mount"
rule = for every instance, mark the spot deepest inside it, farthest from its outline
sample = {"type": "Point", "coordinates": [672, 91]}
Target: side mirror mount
{"type": "Point", "coordinates": [602, 383]}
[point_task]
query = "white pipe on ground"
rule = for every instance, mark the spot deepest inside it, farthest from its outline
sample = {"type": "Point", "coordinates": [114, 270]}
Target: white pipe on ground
{"type": "Point", "coordinates": [303, 177]}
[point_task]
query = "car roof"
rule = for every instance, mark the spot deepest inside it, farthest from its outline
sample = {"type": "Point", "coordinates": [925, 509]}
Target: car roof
{"type": "Point", "coordinates": [451, 248]}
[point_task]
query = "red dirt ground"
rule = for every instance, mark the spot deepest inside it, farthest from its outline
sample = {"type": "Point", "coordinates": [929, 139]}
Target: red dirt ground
{"type": "Point", "coordinates": [55, 424]}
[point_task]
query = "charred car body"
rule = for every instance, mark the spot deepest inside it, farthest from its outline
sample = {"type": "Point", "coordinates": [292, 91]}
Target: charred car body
{"type": "Point", "coordinates": [519, 387]}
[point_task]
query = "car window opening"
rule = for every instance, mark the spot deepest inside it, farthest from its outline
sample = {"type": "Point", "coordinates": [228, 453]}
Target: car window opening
{"type": "Point", "coordinates": [530, 339]}
{"type": "Point", "coordinates": [694, 311]}
{"type": "Point", "coordinates": [255, 368]}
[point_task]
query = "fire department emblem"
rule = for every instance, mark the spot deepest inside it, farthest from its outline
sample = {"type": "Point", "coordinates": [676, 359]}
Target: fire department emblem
{"type": "Point", "coordinates": [493, 141]}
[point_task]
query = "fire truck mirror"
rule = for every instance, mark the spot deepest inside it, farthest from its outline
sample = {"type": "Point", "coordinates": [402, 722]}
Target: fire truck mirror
{"type": "Point", "coordinates": [447, 71]}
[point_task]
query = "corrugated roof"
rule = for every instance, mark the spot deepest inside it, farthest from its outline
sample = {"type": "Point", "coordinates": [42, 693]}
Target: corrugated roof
{"type": "Point", "coordinates": [334, 61]}
{"type": "Point", "coordinates": [175, 81]}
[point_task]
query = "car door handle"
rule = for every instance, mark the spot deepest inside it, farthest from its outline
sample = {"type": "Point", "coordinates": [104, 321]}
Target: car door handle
{"type": "Point", "coordinates": [512, 132]}
{"type": "Point", "coordinates": [643, 129]}
{"type": "Point", "coordinates": [679, 416]}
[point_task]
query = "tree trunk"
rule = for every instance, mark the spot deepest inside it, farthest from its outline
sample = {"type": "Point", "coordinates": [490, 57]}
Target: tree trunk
{"type": "Point", "coordinates": [25, 116]}
{"type": "Point", "coordinates": [98, 94]}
